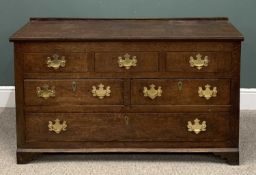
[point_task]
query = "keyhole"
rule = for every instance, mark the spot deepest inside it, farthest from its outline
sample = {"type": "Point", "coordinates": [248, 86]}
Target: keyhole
{"type": "Point", "coordinates": [126, 118]}
{"type": "Point", "coordinates": [180, 85]}
{"type": "Point", "coordinates": [74, 86]}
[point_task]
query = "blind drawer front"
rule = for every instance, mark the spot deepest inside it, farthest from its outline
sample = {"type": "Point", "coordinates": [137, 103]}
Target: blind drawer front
{"type": "Point", "coordinates": [199, 62]}
{"type": "Point", "coordinates": [55, 62]}
{"type": "Point", "coordinates": [125, 62]}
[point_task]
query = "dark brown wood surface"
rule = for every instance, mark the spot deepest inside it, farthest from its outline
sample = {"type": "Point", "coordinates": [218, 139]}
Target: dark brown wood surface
{"type": "Point", "coordinates": [110, 29]}
{"type": "Point", "coordinates": [127, 121]}
{"type": "Point", "coordinates": [179, 61]}
{"type": "Point", "coordinates": [37, 62]}
{"type": "Point", "coordinates": [127, 127]}
{"type": "Point", "coordinates": [187, 95]}
{"type": "Point", "coordinates": [81, 95]}
{"type": "Point", "coordinates": [108, 62]}
{"type": "Point", "coordinates": [154, 59]}
{"type": "Point", "coordinates": [128, 46]}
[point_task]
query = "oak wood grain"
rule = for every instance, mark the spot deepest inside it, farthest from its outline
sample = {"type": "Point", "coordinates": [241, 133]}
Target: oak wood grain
{"type": "Point", "coordinates": [187, 95]}
{"type": "Point", "coordinates": [126, 121]}
{"type": "Point", "coordinates": [37, 62]}
{"type": "Point", "coordinates": [179, 61]}
{"type": "Point", "coordinates": [81, 95]}
{"type": "Point", "coordinates": [127, 127]}
{"type": "Point", "coordinates": [108, 62]}
{"type": "Point", "coordinates": [109, 29]}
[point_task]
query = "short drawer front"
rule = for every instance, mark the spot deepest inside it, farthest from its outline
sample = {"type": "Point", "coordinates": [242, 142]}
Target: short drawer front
{"type": "Point", "coordinates": [198, 61]}
{"type": "Point", "coordinates": [180, 92]}
{"type": "Point", "coordinates": [73, 92]}
{"type": "Point", "coordinates": [126, 62]}
{"type": "Point", "coordinates": [129, 127]}
{"type": "Point", "coordinates": [55, 62]}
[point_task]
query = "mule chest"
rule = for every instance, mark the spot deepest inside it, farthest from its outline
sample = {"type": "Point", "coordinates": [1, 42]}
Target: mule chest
{"type": "Point", "coordinates": [127, 85]}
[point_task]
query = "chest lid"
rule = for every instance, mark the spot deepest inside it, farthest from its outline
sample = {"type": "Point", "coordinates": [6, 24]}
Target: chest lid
{"type": "Point", "coordinates": [78, 29]}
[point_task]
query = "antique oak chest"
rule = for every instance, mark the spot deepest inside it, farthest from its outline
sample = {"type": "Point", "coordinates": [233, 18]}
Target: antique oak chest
{"type": "Point", "coordinates": [127, 85]}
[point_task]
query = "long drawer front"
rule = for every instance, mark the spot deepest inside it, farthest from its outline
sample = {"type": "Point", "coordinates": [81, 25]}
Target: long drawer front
{"type": "Point", "coordinates": [197, 127]}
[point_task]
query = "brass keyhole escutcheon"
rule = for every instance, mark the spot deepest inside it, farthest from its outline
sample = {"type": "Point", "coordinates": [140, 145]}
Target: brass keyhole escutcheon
{"type": "Point", "coordinates": [74, 86]}
{"type": "Point", "coordinates": [126, 119]}
{"type": "Point", "coordinates": [180, 85]}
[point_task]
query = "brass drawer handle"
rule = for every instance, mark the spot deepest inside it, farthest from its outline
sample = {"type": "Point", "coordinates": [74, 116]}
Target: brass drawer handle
{"type": "Point", "coordinates": [207, 93]}
{"type": "Point", "coordinates": [56, 61]}
{"type": "Point", "coordinates": [152, 92]}
{"type": "Point", "coordinates": [196, 127]}
{"type": "Point", "coordinates": [57, 127]}
{"type": "Point", "coordinates": [45, 91]}
{"type": "Point", "coordinates": [199, 63]}
{"type": "Point", "coordinates": [127, 61]}
{"type": "Point", "coordinates": [101, 92]}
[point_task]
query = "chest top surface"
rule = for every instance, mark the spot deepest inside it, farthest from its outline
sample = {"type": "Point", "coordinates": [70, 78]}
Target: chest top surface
{"type": "Point", "coordinates": [70, 29]}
